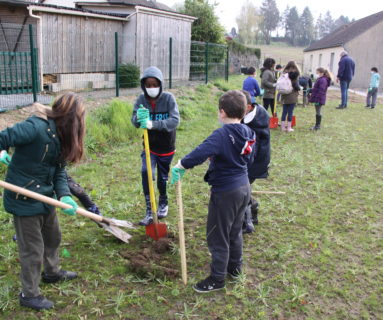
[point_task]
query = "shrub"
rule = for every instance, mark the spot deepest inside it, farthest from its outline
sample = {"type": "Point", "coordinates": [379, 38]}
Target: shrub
{"type": "Point", "coordinates": [129, 75]}
{"type": "Point", "coordinates": [240, 48]}
{"type": "Point", "coordinates": [110, 125]}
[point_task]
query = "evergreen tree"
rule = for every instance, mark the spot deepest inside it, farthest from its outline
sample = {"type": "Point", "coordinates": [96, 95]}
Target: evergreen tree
{"type": "Point", "coordinates": [341, 21]}
{"type": "Point", "coordinates": [270, 22]}
{"type": "Point", "coordinates": [293, 26]}
{"type": "Point", "coordinates": [307, 27]}
{"type": "Point", "coordinates": [328, 23]}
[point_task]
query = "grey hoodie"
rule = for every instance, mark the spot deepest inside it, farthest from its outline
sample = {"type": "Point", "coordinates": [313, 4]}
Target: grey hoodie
{"type": "Point", "coordinates": [164, 114]}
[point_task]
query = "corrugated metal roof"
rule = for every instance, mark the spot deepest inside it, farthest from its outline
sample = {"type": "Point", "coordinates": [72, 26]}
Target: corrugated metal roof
{"type": "Point", "coordinates": [346, 33]}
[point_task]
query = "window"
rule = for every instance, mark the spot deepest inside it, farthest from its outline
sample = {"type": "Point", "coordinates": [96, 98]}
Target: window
{"type": "Point", "coordinates": [320, 60]}
{"type": "Point", "coordinates": [332, 61]}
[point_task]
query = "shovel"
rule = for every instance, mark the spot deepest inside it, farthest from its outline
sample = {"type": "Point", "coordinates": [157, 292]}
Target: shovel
{"type": "Point", "coordinates": [155, 230]}
{"type": "Point", "coordinates": [273, 124]}
{"type": "Point", "coordinates": [110, 225]}
{"type": "Point", "coordinates": [181, 233]}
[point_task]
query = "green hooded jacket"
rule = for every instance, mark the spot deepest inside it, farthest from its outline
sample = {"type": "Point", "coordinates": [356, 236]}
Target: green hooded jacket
{"type": "Point", "coordinates": [35, 164]}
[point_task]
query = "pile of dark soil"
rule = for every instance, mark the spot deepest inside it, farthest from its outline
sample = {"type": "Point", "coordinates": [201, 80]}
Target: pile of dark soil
{"type": "Point", "coordinates": [153, 258]}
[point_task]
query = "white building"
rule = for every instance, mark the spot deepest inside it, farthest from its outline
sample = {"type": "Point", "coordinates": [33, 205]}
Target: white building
{"type": "Point", "coordinates": [363, 41]}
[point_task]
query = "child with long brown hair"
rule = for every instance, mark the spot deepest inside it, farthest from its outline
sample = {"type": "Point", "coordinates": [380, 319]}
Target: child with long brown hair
{"type": "Point", "coordinates": [318, 94]}
{"type": "Point", "coordinates": [290, 100]}
{"type": "Point", "coordinates": [43, 144]}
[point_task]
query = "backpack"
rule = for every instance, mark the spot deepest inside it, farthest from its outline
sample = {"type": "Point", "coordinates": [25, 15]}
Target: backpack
{"type": "Point", "coordinates": [284, 85]}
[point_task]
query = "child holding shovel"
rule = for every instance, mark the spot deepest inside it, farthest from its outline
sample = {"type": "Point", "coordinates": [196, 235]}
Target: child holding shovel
{"type": "Point", "coordinates": [229, 149]}
{"type": "Point", "coordinates": [43, 144]}
{"type": "Point", "coordinates": [161, 117]}
{"type": "Point", "coordinates": [257, 119]}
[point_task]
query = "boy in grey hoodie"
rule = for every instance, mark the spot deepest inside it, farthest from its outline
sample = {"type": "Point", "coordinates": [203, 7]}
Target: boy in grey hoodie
{"type": "Point", "coordinates": [161, 117]}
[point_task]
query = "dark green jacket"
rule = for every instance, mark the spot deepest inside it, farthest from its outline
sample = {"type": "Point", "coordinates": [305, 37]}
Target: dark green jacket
{"type": "Point", "coordinates": [35, 165]}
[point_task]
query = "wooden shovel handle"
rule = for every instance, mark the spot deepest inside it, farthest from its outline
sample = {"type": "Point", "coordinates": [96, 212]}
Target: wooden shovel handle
{"type": "Point", "coordinates": [267, 192]}
{"type": "Point", "coordinates": [181, 233]}
{"type": "Point", "coordinates": [48, 200]}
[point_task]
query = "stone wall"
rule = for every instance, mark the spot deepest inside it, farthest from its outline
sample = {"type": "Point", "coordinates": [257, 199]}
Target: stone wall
{"type": "Point", "coordinates": [238, 60]}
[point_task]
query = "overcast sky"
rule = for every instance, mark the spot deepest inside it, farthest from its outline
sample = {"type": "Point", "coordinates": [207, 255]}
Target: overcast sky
{"type": "Point", "coordinates": [229, 9]}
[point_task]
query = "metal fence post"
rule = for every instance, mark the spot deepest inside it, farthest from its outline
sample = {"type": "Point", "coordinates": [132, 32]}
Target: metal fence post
{"type": "Point", "coordinates": [33, 64]}
{"type": "Point", "coordinates": [227, 65]}
{"type": "Point", "coordinates": [170, 62]}
{"type": "Point", "coordinates": [206, 62]}
{"type": "Point", "coordinates": [117, 65]}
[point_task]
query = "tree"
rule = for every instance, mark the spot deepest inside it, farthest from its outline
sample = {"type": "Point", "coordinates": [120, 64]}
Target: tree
{"type": "Point", "coordinates": [307, 27]}
{"type": "Point", "coordinates": [341, 21]}
{"type": "Point", "coordinates": [320, 28]}
{"type": "Point", "coordinates": [283, 19]}
{"type": "Point", "coordinates": [207, 26]}
{"type": "Point", "coordinates": [293, 26]}
{"type": "Point", "coordinates": [328, 23]}
{"type": "Point", "coordinates": [249, 21]}
{"type": "Point", "coordinates": [270, 15]}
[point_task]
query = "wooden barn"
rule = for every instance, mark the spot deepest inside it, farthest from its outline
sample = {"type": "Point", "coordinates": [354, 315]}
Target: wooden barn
{"type": "Point", "coordinates": [76, 46]}
{"type": "Point", "coordinates": [362, 39]}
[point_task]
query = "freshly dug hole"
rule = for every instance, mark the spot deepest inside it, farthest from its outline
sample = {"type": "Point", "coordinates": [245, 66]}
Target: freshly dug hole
{"type": "Point", "coordinates": [153, 258]}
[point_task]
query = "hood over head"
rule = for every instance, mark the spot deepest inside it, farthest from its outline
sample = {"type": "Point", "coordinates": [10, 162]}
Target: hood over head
{"type": "Point", "coordinates": [152, 72]}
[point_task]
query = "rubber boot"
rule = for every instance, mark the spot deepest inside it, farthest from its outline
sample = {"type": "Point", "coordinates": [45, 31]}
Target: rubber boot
{"type": "Point", "coordinates": [248, 226]}
{"type": "Point", "coordinates": [289, 127]}
{"type": "Point", "coordinates": [284, 126]}
{"type": "Point", "coordinates": [318, 122]}
{"type": "Point", "coordinates": [148, 215]}
{"type": "Point", "coordinates": [254, 210]}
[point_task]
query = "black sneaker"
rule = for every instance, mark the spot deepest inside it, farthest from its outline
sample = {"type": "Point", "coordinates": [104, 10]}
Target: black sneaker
{"type": "Point", "coordinates": [61, 276]}
{"type": "Point", "coordinates": [147, 220]}
{"type": "Point", "coordinates": [234, 273]}
{"type": "Point", "coordinates": [340, 107]}
{"type": "Point", "coordinates": [367, 106]}
{"type": "Point", "coordinates": [36, 303]}
{"type": "Point", "coordinates": [94, 209]}
{"type": "Point", "coordinates": [208, 285]}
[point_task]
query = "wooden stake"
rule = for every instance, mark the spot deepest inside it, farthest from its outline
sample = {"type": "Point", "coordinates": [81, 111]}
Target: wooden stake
{"type": "Point", "coordinates": [267, 192]}
{"type": "Point", "coordinates": [181, 233]}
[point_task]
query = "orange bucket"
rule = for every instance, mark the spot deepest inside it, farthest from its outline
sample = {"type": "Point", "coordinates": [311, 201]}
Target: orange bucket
{"type": "Point", "coordinates": [273, 124]}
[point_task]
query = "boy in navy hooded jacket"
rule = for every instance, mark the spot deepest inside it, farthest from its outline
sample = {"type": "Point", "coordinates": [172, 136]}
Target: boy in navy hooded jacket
{"type": "Point", "coordinates": [161, 117]}
{"type": "Point", "coordinates": [229, 149]}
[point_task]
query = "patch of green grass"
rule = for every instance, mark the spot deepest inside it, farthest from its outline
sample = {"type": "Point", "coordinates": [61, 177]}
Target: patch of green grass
{"type": "Point", "coordinates": [316, 254]}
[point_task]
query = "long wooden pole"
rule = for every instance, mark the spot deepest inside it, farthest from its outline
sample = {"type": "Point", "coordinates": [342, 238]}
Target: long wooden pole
{"type": "Point", "coordinates": [181, 233]}
{"type": "Point", "coordinates": [267, 192]}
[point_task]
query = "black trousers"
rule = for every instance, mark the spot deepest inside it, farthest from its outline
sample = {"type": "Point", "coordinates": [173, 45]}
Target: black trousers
{"type": "Point", "coordinates": [162, 163]}
{"type": "Point", "coordinates": [224, 229]}
{"type": "Point", "coordinates": [269, 103]}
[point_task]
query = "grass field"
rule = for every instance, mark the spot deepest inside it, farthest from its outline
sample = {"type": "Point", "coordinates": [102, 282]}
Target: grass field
{"type": "Point", "coordinates": [316, 254]}
{"type": "Point", "coordinates": [282, 53]}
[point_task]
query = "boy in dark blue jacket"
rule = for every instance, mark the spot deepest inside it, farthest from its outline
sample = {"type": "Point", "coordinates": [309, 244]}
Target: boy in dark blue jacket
{"type": "Point", "coordinates": [161, 117]}
{"type": "Point", "coordinates": [229, 149]}
{"type": "Point", "coordinates": [250, 84]}
{"type": "Point", "coordinates": [257, 119]}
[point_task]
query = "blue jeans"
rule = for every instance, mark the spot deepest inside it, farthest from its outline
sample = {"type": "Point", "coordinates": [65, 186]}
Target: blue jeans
{"type": "Point", "coordinates": [344, 85]}
{"type": "Point", "coordinates": [163, 167]}
{"type": "Point", "coordinates": [288, 110]}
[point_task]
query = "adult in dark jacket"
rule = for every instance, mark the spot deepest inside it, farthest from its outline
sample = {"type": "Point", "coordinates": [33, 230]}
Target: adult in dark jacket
{"type": "Point", "coordinates": [346, 72]}
{"type": "Point", "coordinates": [257, 119]}
{"type": "Point", "coordinates": [43, 144]}
{"type": "Point", "coordinates": [318, 95]}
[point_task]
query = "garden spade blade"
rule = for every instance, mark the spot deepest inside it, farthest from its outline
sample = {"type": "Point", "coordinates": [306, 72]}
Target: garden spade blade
{"type": "Point", "coordinates": [117, 232]}
{"type": "Point", "coordinates": [106, 223]}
